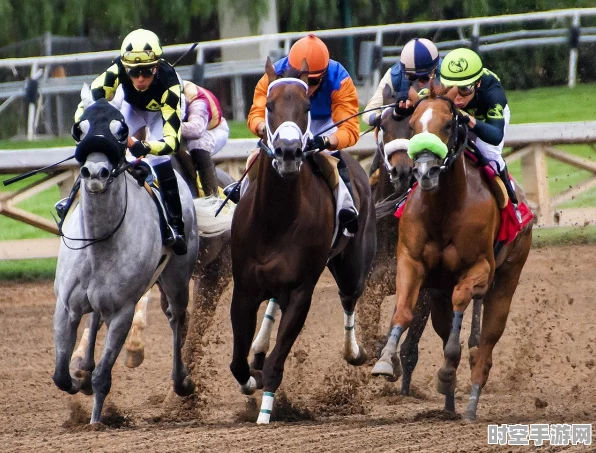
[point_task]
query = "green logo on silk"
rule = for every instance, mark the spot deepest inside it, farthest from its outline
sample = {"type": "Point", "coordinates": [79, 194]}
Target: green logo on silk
{"type": "Point", "coordinates": [153, 105]}
{"type": "Point", "coordinates": [496, 113]}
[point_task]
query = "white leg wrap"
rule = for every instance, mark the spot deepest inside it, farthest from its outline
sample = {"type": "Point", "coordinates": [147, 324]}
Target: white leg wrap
{"type": "Point", "coordinates": [140, 318]}
{"type": "Point", "coordinates": [266, 408]}
{"type": "Point", "coordinates": [351, 348]}
{"type": "Point", "coordinates": [80, 351]}
{"type": "Point", "coordinates": [261, 343]}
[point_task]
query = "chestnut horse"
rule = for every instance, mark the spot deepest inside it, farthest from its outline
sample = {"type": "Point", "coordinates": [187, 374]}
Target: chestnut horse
{"type": "Point", "coordinates": [446, 237]}
{"type": "Point", "coordinates": [282, 236]}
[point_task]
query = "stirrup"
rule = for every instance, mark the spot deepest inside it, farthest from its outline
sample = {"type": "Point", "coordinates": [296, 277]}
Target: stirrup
{"type": "Point", "coordinates": [348, 217]}
{"type": "Point", "coordinates": [175, 241]}
{"type": "Point", "coordinates": [234, 195]}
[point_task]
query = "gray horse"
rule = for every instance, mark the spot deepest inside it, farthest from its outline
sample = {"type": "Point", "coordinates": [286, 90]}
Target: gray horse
{"type": "Point", "coordinates": [111, 254]}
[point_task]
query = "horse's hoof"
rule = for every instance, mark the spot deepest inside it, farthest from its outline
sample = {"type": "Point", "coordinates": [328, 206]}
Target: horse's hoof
{"type": "Point", "coordinates": [186, 388]}
{"type": "Point", "coordinates": [469, 417]}
{"type": "Point", "coordinates": [84, 378]}
{"type": "Point", "coordinates": [249, 387]}
{"type": "Point", "coordinates": [447, 381]}
{"type": "Point", "coordinates": [472, 356]}
{"type": "Point", "coordinates": [75, 365]}
{"type": "Point", "coordinates": [360, 359]}
{"type": "Point", "coordinates": [385, 369]}
{"type": "Point", "coordinates": [134, 357]}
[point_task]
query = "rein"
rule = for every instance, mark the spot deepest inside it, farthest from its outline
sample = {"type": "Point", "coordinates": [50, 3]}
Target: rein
{"type": "Point", "coordinates": [117, 171]}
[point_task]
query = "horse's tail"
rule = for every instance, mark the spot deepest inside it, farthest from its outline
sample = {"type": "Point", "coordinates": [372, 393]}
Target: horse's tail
{"type": "Point", "coordinates": [208, 224]}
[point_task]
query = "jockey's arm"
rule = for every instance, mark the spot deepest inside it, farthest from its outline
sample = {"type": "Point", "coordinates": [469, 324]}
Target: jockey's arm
{"type": "Point", "coordinates": [344, 103]}
{"type": "Point", "coordinates": [377, 99]}
{"type": "Point", "coordinates": [104, 86]}
{"type": "Point", "coordinates": [492, 130]}
{"type": "Point", "coordinates": [198, 119]}
{"type": "Point", "coordinates": [171, 114]}
{"type": "Point", "coordinates": [256, 116]}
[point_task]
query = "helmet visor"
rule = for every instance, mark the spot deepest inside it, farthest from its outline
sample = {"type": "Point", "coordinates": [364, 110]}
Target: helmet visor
{"type": "Point", "coordinates": [139, 58]}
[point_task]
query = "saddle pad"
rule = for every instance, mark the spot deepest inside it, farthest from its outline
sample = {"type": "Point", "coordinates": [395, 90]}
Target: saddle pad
{"type": "Point", "coordinates": [328, 166]}
{"type": "Point", "coordinates": [373, 179]}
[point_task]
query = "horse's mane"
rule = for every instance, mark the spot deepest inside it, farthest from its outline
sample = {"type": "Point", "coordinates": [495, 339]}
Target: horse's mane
{"type": "Point", "coordinates": [293, 73]}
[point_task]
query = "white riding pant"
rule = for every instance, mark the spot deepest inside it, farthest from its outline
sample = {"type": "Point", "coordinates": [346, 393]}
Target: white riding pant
{"type": "Point", "coordinates": [212, 140]}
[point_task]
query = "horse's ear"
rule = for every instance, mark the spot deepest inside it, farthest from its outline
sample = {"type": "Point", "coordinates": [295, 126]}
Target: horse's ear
{"type": "Point", "coordinates": [270, 70]}
{"type": "Point", "coordinates": [86, 95]}
{"type": "Point", "coordinates": [304, 71]}
{"type": "Point", "coordinates": [387, 94]}
{"type": "Point", "coordinates": [450, 93]}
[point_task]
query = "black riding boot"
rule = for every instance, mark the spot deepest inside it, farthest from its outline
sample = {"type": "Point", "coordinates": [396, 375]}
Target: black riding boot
{"type": "Point", "coordinates": [347, 217]}
{"type": "Point", "coordinates": [63, 206]}
{"type": "Point", "coordinates": [206, 169]}
{"type": "Point", "coordinates": [504, 175]}
{"type": "Point", "coordinates": [174, 234]}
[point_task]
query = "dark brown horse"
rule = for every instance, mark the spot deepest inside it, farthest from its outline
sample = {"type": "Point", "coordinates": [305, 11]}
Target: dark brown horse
{"type": "Point", "coordinates": [282, 240]}
{"type": "Point", "coordinates": [446, 237]}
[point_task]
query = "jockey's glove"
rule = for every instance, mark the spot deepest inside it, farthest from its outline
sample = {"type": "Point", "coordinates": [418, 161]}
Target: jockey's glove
{"type": "Point", "coordinates": [400, 113]}
{"type": "Point", "coordinates": [139, 149]}
{"type": "Point", "coordinates": [318, 142]}
{"type": "Point", "coordinates": [374, 119]}
{"type": "Point", "coordinates": [464, 117]}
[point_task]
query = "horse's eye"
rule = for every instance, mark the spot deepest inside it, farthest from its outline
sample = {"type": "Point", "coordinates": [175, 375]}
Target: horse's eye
{"type": "Point", "coordinates": [269, 106]}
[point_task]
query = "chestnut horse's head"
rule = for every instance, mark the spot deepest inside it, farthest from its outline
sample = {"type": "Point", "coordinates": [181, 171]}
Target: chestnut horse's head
{"type": "Point", "coordinates": [287, 117]}
{"type": "Point", "coordinates": [394, 145]}
{"type": "Point", "coordinates": [439, 135]}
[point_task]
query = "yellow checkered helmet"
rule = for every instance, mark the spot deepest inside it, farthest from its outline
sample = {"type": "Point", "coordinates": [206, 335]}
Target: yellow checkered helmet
{"type": "Point", "coordinates": [140, 48]}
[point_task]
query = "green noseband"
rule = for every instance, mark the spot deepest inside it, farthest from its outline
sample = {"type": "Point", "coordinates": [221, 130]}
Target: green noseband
{"type": "Point", "coordinates": [425, 141]}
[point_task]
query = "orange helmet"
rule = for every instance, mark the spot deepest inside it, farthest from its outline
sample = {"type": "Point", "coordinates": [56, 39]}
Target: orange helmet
{"type": "Point", "coordinates": [314, 51]}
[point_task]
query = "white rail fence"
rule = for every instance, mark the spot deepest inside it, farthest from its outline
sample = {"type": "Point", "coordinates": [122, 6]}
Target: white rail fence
{"type": "Point", "coordinates": [532, 144]}
{"type": "Point", "coordinates": [561, 27]}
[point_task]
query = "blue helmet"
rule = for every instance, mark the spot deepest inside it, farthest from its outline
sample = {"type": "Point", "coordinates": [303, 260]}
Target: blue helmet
{"type": "Point", "coordinates": [419, 56]}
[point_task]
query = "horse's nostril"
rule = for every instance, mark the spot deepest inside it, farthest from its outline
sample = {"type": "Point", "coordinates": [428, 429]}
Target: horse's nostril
{"type": "Point", "coordinates": [85, 174]}
{"type": "Point", "coordinates": [104, 173]}
{"type": "Point", "coordinates": [298, 153]}
{"type": "Point", "coordinates": [278, 152]}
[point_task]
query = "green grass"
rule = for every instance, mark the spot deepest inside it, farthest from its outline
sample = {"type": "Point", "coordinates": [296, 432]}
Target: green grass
{"type": "Point", "coordinates": [27, 270]}
{"type": "Point", "coordinates": [543, 237]}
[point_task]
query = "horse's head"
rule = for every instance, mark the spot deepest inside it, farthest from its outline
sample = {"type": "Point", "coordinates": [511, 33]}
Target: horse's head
{"type": "Point", "coordinates": [394, 145]}
{"type": "Point", "coordinates": [438, 134]}
{"type": "Point", "coordinates": [101, 136]}
{"type": "Point", "coordinates": [288, 118]}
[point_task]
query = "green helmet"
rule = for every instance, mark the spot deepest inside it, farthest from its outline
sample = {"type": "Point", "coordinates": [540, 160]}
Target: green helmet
{"type": "Point", "coordinates": [461, 67]}
{"type": "Point", "coordinates": [140, 48]}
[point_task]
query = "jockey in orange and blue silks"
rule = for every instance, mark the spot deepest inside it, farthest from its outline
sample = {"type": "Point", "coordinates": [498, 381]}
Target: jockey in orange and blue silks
{"type": "Point", "coordinates": [333, 98]}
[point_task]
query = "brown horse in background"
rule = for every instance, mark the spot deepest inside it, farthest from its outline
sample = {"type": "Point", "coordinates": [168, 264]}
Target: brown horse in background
{"type": "Point", "coordinates": [446, 238]}
{"type": "Point", "coordinates": [282, 237]}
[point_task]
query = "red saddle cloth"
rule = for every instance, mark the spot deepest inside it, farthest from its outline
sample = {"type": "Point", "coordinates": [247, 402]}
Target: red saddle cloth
{"type": "Point", "coordinates": [509, 227]}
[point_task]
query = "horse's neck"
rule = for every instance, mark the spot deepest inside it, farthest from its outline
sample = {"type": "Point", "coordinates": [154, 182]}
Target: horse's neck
{"type": "Point", "coordinates": [277, 194]}
{"type": "Point", "coordinates": [102, 212]}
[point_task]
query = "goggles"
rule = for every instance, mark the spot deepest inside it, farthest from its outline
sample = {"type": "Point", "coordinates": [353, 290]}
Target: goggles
{"type": "Point", "coordinates": [141, 71]}
{"type": "Point", "coordinates": [413, 77]}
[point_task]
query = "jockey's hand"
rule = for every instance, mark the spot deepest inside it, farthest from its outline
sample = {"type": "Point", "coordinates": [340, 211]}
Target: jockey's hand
{"type": "Point", "coordinates": [467, 119]}
{"type": "Point", "coordinates": [318, 142]}
{"type": "Point", "coordinates": [374, 120]}
{"type": "Point", "coordinates": [403, 109]}
{"type": "Point", "coordinates": [261, 128]}
{"type": "Point", "coordinates": [139, 149]}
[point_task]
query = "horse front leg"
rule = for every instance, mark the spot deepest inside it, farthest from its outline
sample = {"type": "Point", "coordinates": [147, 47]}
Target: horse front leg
{"type": "Point", "coordinates": [409, 278]}
{"type": "Point", "coordinates": [291, 323]}
{"type": "Point", "coordinates": [134, 347]}
{"type": "Point", "coordinates": [82, 362]}
{"type": "Point", "coordinates": [66, 323]}
{"type": "Point", "coordinates": [243, 313]}
{"type": "Point", "coordinates": [260, 346]}
{"type": "Point", "coordinates": [472, 284]}
{"type": "Point", "coordinates": [474, 339]}
{"type": "Point", "coordinates": [101, 379]}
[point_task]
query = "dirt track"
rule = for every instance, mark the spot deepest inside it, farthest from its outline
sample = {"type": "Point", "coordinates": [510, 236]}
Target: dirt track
{"type": "Point", "coordinates": [546, 357]}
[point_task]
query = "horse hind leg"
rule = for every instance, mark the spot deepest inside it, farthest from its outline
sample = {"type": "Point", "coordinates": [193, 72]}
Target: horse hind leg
{"type": "Point", "coordinates": [65, 337]}
{"type": "Point", "coordinates": [260, 346]}
{"type": "Point", "coordinates": [82, 362]}
{"type": "Point", "coordinates": [101, 379]}
{"type": "Point", "coordinates": [134, 348]}
{"type": "Point", "coordinates": [174, 300]}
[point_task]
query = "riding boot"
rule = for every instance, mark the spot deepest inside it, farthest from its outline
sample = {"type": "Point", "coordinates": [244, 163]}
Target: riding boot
{"type": "Point", "coordinates": [504, 175]}
{"type": "Point", "coordinates": [63, 206]}
{"type": "Point", "coordinates": [206, 170]}
{"type": "Point", "coordinates": [174, 234]}
{"type": "Point", "coordinates": [348, 217]}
